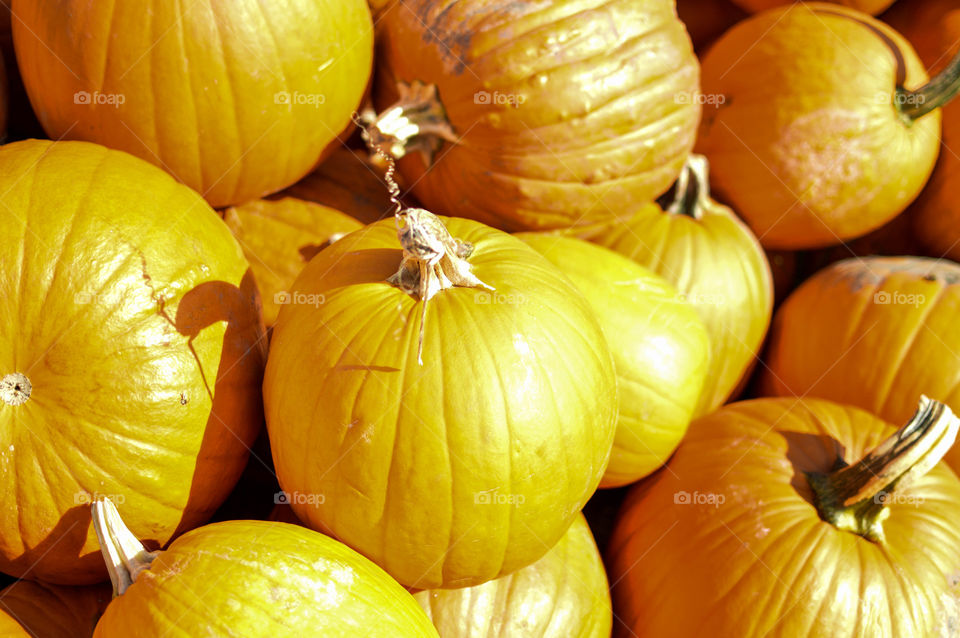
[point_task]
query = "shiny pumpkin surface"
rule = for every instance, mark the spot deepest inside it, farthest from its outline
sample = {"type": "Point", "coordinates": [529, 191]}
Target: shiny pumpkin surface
{"type": "Point", "coordinates": [875, 332]}
{"type": "Point", "coordinates": [30, 609]}
{"type": "Point", "coordinates": [237, 99]}
{"type": "Point", "coordinates": [565, 112]}
{"type": "Point", "coordinates": [130, 309]}
{"type": "Point", "coordinates": [803, 145]}
{"type": "Point", "coordinates": [717, 264]}
{"type": "Point", "coordinates": [727, 543]}
{"type": "Point", "coordinates": [465, 468]}
{"type": "Point", "coordinates": [872, 7]}
{"type": "Point", "coordinates": [933, 27]}
{"type": "Point", "coordinates": [660, 350]}
{"type": "Point", "coordinates": [279, 236]}
{"type": "Point", "coordinates": [263, 578]}
{"type": "Point", "coordinates": [562, 595]}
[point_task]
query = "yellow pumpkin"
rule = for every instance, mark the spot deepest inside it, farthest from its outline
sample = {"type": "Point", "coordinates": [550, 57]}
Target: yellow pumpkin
{"type": "Point", "coordinates": [660, 350]}
{"type": "Point", "coordinates": [471, 465]}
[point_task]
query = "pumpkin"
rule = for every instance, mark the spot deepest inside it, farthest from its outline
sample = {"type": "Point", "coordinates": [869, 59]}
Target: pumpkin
{"type": "Point", "coordinates": [717, 265]}
{"type": "Point", "coordinates": [236, 100]}
{"type": "Point", "coordinates": [706, 20]}
{"type": "Point", "coordinates": [562, 595]}
{"type": "Point", "coordinates": [824, 132]}
{"type": "Point", "coordinates": [279, 236]}
{"type": "Point", "coordinates": [786, 517]}
{"type": "Point", "coordinates": [350, 182]}
{"type": "Point", "coordinates": [468, 403]}
{"type": "Point", "coordinates": [660, 350]}
{"type": "Point", "coordinates": [933, 27]}
{"type": "Point", "coordinates": [871, 332]}
{"type": "Point", "coordinates": [531, 117]}
{"type": "Point", "coordinates": [249, 578]}
{"type": "Point", "coordinates": [131, 338]}
{"type": "Point", "coordinates": [873, 7]}
{"type": "Point", "coordinates": [30, 609]}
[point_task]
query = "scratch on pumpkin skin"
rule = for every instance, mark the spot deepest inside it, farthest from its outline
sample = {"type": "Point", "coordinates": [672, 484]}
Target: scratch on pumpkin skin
{"type": "Point", "coordinates": [162, 312]}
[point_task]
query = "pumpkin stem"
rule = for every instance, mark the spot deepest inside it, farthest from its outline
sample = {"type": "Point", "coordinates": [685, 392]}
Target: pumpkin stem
{"type": "Point", "coordinates": [853, 498]}
{"type": "Point", "coordinates": [942, 88]}
{"type": "Point", "coordinates": [691, 193]}
{"type": "Point", "coordinates": [15, 389]}
{"type": "Point", "coordinates": [415, 122]}
{"type": "Point", "coordinates": [125, 556]}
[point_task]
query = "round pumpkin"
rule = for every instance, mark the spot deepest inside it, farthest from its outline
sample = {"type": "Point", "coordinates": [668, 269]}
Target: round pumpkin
{"type": "Point", "coordinates": [237, 100]}
{"type": "Point", "coordinates": [449, 432]}
{"type": "Point", "coordinates": [562, 595]}
{"type": "Point", "coordinates": [660, 350]}
{"type": "Point", "coordinates": [873, 7]}
{"type": "Point", "coordinates": [503, 115]}
{"type": "Point", "coordinates": [350, 182]}
{"type": "Point", "coordinates": [872, 332]}
{"type": "Point", "coordinates": [717, 265]}
{"type": "Point", "coordinates": [279, 236]}
{"type": "Point", "coordinates": [250, 578]}
{"type": "Point", "coordinates": [131, 358]}
{"type": "Point", "coordinates": [30, 609]}
{"type": "Point", "coordinates": [933, 27]}
{"type": "Point", "coordinates": [817, 140]}
{"type": "Point", "coordinates": [786, 517]}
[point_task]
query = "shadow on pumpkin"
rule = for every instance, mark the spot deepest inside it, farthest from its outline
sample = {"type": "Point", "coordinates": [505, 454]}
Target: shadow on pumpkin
{"type": "Point", "coordinates": [231, 428]}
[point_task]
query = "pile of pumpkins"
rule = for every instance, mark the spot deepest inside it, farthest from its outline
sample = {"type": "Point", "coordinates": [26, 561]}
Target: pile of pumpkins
{"type": "Point", "coordinates": [394, 293]}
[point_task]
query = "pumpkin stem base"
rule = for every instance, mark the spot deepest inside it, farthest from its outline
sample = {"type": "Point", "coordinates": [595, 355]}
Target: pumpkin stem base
{"type": "Point", "coordinates": [15, 389]}
{"type": "Point", "coordinates": [415, 122]}
{"type": "Point", "coordinates": [942, 88]}
{"type": "Point", "coordinates": [854, 498]}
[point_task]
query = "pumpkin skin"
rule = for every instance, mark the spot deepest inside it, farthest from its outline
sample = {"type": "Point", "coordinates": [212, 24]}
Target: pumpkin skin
{"type": "Point", "coordinates": [660, 350]}
{"type": "Point", "coordinates": [30, 609]}
{"type": "Point", "coordinates": [719, 267]}
{"type": "Point", "coordinates": [279, 236]}
{"type": "Point", "coordinates": [223, 96]}
{"type": "Point", "coordinates": [562, 595]}
{"type": "Point", "coordinates": [762, 562]}
{"type": "Point", "coordinates": [933, 27]}
{"type": "Point", "coordinates": [606, 119]}
{"type": "Point", "coordinates": [141, 336]}
{"type": "Point", "coordinates": [874, 332]}
{"type": "Point", "coordinates": [873, 7]}
{"type": "Point", "coordinates": [420, 466]}
{"type": "Point", "coordinates": [250, 570]}
{"type": "Point", "coordinates": [801, 147]}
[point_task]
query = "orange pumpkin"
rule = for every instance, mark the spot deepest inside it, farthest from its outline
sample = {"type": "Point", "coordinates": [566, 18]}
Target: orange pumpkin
{"type": "Point", "coordinates": [350, 182]}
{"type": "Point", "coordinates": [660, 350]}
{"type": "Point", "coordinates": [717, 265]}
{"type": "Point", "coordinates": [933, 27]}
{"type": "Point", "coordinates": [761, 528]}
{"type": "Point", "coordinates": [131, 359]}
{"type": "Point", "coordinates": [872, 7]}
{"type": "Point", "coordinates": [236, 100]}
{"type": "Point", "coordinates": [823, 130]}
{"type": "Point", "coordinates": [34, 610]}
{"type": "Point", "coordinates": [249, 578]}
{"type": "Point", "coordinates": [562, 595]}
{"type": "Point", "coordinates": [528, 117]}
{"type": "Point", "coordinates": [871, 332]}
{"type": "Point", "coordinates": [466, 465]}
{"type": "Point", "coordinates": [279, 236]}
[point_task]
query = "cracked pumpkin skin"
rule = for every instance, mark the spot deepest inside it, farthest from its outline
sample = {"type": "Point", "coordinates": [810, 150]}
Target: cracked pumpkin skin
{"type": "Point", "coordinates": [763, 562]}
{"type": "Point", "coordinates": [470, 466]}
{"type": "Point", "coordinates": [153, 402]}
{"type": "Point", "coordinates": [600, 126]}
{"type": "Point", "coordinates": [808, 146]}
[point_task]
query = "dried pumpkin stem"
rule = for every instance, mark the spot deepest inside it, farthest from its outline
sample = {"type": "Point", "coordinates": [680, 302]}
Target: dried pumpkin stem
{"type": "Point", "coordinates": [932, 95]}
{"type": "Point", "coordinates": [15, 389]}
{"type": "Point", "coordinates": [125, 556]}
{"type": "Point", "coordinates": [855, 498]}
{"type": "Point", "coordinates": [415, 122]}
{"type": "Point", "coordinates": [691, 193]}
